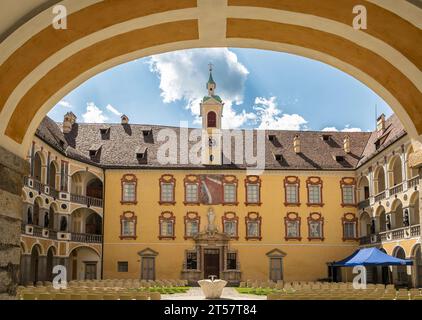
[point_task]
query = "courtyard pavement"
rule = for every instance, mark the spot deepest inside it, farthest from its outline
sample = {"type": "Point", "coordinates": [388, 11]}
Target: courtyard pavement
{"type": "Point", "coordinates": [195, 293]}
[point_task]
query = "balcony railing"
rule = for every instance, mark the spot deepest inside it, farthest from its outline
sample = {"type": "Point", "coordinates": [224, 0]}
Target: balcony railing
{"type": "Point", "coordinates": [40, 187]}
{"type": "Point", "coordinates": [396, 189]}
{"type": "Point", "coordinates": [380, 196]}
{"type": "Point", "coordinates": [37, 231]}
{"type": "Point", "coordinates": [413, 182]}
{"type": "Point", "coordinates": [401, 233]}
{"type": "Point", "coordinates": [52, 234]}
{"type": "Point", "coordinates": [397, 234]}
{"type": "Point", "coordinates": [86, 237]}
{"type": "Point", "coordinates": [89, 201]}
{"type": "Point", "coordinates": [363, 204]}
{"type": "Point", "coordinates": [415, 231]}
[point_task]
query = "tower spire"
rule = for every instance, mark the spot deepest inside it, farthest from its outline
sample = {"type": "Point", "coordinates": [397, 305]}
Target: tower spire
{"type": "Point", "coordinates": [211, 85]}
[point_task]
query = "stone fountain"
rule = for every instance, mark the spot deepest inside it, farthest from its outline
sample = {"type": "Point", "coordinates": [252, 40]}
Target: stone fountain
{"type": "Point", "coordinates": [212, 288]}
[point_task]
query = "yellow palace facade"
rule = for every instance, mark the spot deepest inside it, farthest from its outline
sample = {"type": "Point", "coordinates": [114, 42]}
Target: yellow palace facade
{"type": "Point", "coordinates": [104, 205]}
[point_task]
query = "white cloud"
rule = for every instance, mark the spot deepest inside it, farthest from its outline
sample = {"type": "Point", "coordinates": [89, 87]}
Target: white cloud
{"type": "Point", "coordinates": [112, 109]}
{"type": "Point", "coordinates": [93, 114]}
{"type": "Point", "coordinates": [347, 128]}
{"type": "Point", "coordinates": [271, 117]}
{"type": "Point", "coordinates": [183, 76]}
{"type": "Point", "coordinates": [64, 103]}
{"type": "Point", "coordinates": [330, 129]}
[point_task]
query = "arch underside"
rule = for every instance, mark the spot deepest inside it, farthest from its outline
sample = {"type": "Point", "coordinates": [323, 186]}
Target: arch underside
{"type": "Point", "coordinates": [38, 69]}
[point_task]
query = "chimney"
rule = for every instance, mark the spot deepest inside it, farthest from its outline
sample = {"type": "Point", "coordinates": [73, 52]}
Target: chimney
{"type": "Point", "coordinates": [68, 122]}
{"type": "Point", "coordinates": [296, 144]}
{"type": "Point", "coordinates": [125, 119]}
{"type": "Point", "coordinates": [346, 144]}
{"type": "Point", "coordinates": [381, 123]}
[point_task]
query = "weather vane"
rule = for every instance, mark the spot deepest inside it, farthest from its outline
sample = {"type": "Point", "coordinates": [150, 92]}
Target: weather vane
{"type": "Point", "coordinates": [210, 65]}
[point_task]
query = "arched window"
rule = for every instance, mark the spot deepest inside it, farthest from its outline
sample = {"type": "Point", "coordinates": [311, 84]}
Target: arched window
{"type": "Point", "coordinates": [211, 119]}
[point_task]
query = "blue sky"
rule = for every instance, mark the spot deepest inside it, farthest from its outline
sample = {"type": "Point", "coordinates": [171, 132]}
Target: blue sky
{"type": "Point", "coordinates": [261, 89]}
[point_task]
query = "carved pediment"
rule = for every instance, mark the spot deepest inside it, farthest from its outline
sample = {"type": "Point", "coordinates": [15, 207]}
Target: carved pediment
{"type": "Point", "coordinates": [276, 253]}
{"type": "Point", "coordinates": [217, 236]}
{"type": "Point", "coordinates": [148, 252]}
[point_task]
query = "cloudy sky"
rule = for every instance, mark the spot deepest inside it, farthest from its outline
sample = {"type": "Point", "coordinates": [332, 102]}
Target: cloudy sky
{"type": "Point", "coordinates": [261, 89]}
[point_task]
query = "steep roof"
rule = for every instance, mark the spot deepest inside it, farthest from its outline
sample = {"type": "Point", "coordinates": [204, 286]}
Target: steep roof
{"type": "Point", "coordinates": [393, 131]}
{"type": "Point", "coordinates": [118, 146]}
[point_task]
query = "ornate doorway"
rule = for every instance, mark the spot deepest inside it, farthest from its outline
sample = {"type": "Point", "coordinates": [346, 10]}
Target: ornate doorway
{"type": "Point", "coordinates": [211, 263]}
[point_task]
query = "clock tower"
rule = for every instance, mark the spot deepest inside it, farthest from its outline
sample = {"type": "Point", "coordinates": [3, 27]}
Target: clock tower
{"type": "Point", "coordinates": [211, 113]}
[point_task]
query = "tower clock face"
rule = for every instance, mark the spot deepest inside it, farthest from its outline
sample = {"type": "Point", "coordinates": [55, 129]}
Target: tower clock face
{"type": "Point", "coordinates": [212, 142]}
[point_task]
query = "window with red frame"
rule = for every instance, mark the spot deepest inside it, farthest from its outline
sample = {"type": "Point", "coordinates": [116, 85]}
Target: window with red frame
{"type": "Point", "coordinates": [348, 192]}
{"type": "Point", "coordinates": [253, 190]}
{"type": "Point", "coordinates": [350, 226]}
{"type": "Point", "coordinates": [315, 226]}
{"type": "Point", "coordinates": [128, 222]}
{"type": "Point", "coordinates": [166, 223]}
{"type": "Point", "coordinates": [291, 187]}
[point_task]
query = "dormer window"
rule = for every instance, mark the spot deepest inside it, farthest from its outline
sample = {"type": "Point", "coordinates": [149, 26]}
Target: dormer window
{"type": "Point", "coordinates": [271, 137]}
{"type": "Point", "coordinates": [339, 158]}
{"type": "Point", "coordinates": [105, 133]}
{"type": "Point", "coordinates": [94, 151]}
{"type": "Point", "coordinates": [278, 157]}
{"type": "Point", "coordinates": [141, 154]}
{"type": "Point", "coordinates": [326, 137]}
{"type": "Point", "coordinates": [146, 132]}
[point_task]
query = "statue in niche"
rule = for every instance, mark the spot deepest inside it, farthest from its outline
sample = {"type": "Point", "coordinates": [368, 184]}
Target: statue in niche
{"type": "Point", "coordinates": [388, 223]}
{"type": "Point", "coordinates": [406, 221]}
{"type": "Point", "coordinates": [211, 227]}
{"type": "Point", "coordinates": [63, 224]}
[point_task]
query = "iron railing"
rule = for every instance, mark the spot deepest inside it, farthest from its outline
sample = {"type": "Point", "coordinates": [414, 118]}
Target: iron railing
{"type": "Point", "coordinates": [413, 182]}
{"type": "Point", "coordinates": [86, 237]}
{"type": "Point", "coordinates": [380, 196]}
{"type": "Point", "coordinates": [89, 201]}
{"type": "Point", "coordinates": [396, 189]}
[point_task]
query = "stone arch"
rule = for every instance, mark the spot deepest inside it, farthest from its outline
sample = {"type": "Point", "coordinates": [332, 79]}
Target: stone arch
{"type": "Point", "coordinates": [365, 224]}
{"type": "Point", "coordinates": [417, 265]}
{"type": "Point", "coordinates": [395, 170]}
{"type": "Point", "coordinates": [24, 247]}
{"type": "Point", "coordinates": [318, 31]}
{"type": "Point", "coordinates": [36, 252]}
{"type": "Point", "coordinates": [52, 174]}
{"type": "Point", "coordinates": [414, 215]}
{"type": "Point", "coordinates": [51, 253]}
{"type": "Point", "coordinates": [38, 163]}
{"type": "Point", "coordinates": [79, 269]}
{"type": "Point", "coordinates": [379, 179]}
{"type": "Point", "coordinates": [400, 276]}
{"type": "Point", "coordinates": [363, 188]}
{"type": "Point", "coordinates": [37, 211]}
{"type": "Point", "coordinates": [397, 214]}
{"type": "Point", "coordinates": [381, 217]}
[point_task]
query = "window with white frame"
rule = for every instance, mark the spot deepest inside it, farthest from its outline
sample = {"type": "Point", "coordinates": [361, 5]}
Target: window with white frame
{"type": "Point", "coordinates": [229, 192]}
{"type": "Point", "coordinates": [129, 192]}
{"type": "Point", "coordinates": [167, 192]}
{"type": "Point", "coordinates": [252, 193]}
{"type": "Point", "coordinates": [191, 190]}
{"type": "Point", "coordinates": [348, 195]}
{"type": "Point", "coordinates": [192, 227]}
{"type": "Point", "coordinates": [128, 225]}
{"type": "Point", "coordinates": [292, 193]}
{"type": "Point", "coordinates": [314, 194]}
